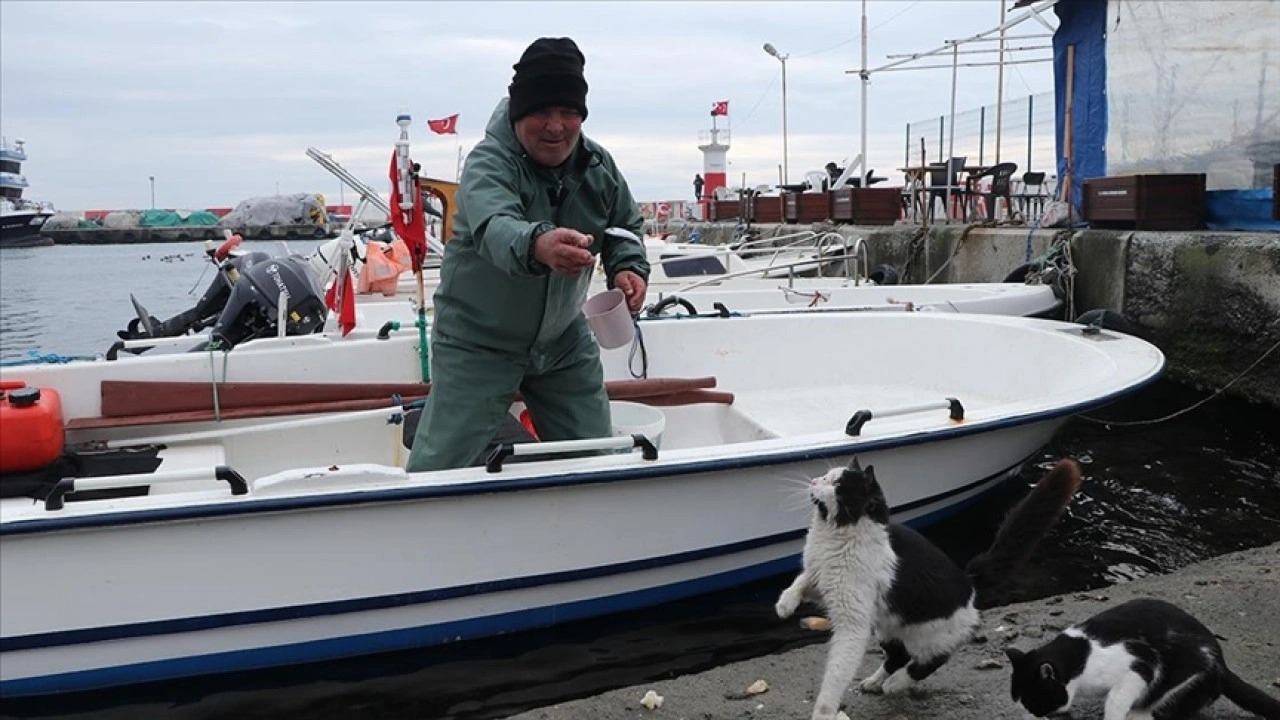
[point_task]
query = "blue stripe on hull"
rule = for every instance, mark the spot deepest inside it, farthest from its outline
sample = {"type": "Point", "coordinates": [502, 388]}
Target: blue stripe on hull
{"type": "Point", "coordinates": [425, 636]}
{"type": "Point", "coordinates": [391, 640]}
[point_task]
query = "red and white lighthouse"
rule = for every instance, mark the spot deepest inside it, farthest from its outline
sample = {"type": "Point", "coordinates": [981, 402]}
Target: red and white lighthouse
{"type": "Point", "coordinates": [714, 144]}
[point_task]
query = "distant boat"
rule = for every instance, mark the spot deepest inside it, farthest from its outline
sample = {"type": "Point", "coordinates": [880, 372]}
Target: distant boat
{"type": "Point", "coordinates": [20, 220]}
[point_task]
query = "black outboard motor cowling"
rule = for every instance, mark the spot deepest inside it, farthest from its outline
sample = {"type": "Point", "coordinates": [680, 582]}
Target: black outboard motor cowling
{"type": "Point", "coordinates": [252, 311]}
{"type": "Point", "coordinates": [202, 315]}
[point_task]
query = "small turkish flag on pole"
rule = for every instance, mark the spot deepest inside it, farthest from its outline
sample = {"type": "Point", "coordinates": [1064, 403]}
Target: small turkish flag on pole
{"type": "Point", "coordinates": [410, 225]}
{"type": "Point", "coordinates": [444, 126]}
{"type": "Point", "coordinates": [720, 108]}
{"type": "Point", "coordinates": [341, 297]}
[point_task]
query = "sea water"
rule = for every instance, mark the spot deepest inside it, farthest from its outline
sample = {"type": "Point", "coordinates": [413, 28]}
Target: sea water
{"type": "Point", "coordinates": [1156, 497]}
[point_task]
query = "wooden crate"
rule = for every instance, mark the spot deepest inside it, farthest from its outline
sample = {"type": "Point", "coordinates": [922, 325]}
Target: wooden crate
{"type": "Point", "coordinates": [866, 206]}
{"type": "Point", "coordinates": [790, 207]}
{"type": "Point", "coordinates": [1146, 202]}
{"type": "Point", "coordinates": [766, 208]}
{"type": "Point", "coordinates": [806, 207]}
{"type": "Point", "coordinates": [722, 210]}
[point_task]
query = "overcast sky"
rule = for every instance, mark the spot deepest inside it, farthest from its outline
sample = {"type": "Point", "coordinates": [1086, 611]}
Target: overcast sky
{"type": "Point", "coordinates": [219, 101]}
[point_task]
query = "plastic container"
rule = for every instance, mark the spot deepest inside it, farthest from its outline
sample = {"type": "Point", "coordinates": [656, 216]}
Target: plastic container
{"type": "Point", "coordinates": [631, 418]}
{"type": "Point", "coordinates": [609, 318]}
{"type": "Point", "coordinates": [31, 429]}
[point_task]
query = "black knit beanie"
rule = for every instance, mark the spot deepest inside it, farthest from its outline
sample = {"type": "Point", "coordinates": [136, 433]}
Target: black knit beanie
{"type": "Point", "coordinates": [549, 74]}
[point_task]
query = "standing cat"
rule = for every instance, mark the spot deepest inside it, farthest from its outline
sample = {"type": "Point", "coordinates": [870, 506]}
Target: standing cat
{"type": "Point", "coordinates": [1154, 660]}
{"type": "Point", "coordinates": [877, 577]}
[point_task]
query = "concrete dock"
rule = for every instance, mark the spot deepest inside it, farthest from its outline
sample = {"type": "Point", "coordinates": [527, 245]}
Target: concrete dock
{"type": "Point", "coordinates": [1209, 299]}
{"type": "Point", "coordinates": [1237, 596]}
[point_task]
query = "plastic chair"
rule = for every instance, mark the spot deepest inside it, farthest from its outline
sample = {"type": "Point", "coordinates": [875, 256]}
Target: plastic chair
{"type": "Point", "coordinates": [817, 180]}
{"type": "Point", "coordinates": [942, 179]}
{"type": "Point", "coordinates": [1001, 176]}
{"type": "Point", "coordinates": [1033, 193]}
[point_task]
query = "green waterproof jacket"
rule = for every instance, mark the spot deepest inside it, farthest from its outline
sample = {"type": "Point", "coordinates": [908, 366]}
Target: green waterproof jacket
{"type": "Point", "coordinates": [492, 292]}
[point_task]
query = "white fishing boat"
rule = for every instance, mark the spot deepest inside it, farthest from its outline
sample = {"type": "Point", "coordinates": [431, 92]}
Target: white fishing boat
{"type": "Point", "coordinates": [255, 543]}
{"type": "Point", "coordinates": [980, 298]}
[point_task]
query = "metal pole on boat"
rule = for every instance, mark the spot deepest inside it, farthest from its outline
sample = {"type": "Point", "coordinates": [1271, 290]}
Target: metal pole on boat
{"type": "Point", "coordinates": [152, 178]}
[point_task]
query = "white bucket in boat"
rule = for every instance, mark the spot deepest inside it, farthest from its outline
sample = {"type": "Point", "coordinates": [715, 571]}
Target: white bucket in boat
{"type": "Point", "coordinates": [609, 318]}
{"type": "Point", "coordinates": [631, 418]}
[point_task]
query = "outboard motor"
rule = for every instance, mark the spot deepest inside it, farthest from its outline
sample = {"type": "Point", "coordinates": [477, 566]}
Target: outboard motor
{"type": "Point", "coordinates": [253, 310]}
{"type": "Point", "coordinates": [202, 315]}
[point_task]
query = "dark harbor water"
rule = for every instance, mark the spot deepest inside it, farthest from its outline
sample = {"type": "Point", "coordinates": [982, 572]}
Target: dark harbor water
{"type": "Point", "coordinates": [1156, 497]}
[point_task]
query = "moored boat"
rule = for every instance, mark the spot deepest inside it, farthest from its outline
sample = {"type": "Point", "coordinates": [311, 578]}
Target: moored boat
{"type": "Point", "coordinates": [20, 219]}
{"type": "Point", "coordinates": [284, 540]}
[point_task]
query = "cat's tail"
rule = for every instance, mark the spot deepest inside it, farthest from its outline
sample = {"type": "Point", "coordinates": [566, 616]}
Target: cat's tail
{"type": "Point", "coordinates": [1248, 697]}
{"type": "Point", "coordinates": [1025, 526]}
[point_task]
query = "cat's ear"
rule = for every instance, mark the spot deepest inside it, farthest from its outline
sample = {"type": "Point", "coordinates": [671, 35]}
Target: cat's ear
{"type": "Point", "coordinates": [870, 472]}
{"type": "Point", "coordinates": [855, 465]}
{"type": "Point", "coordinates": [1047, 672]}
{"type": "Point", "coordinates": [1015, 656]}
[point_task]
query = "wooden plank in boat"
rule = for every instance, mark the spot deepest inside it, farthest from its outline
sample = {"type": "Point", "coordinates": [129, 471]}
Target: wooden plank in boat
{"type": "Point", "coordinates": [122, 398]}
{"type": "Point", "coordinates": [655, 395]}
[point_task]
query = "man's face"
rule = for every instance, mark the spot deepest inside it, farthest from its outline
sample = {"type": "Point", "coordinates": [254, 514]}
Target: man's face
{"type": "Point", "coordinates": [549, 134]}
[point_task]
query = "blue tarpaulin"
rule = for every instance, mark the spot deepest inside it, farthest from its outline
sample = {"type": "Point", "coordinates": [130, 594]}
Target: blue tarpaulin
{"type": "Point", "coordinates": [1240, 210]}
{"type": "Point", "coordinates": [1082, 23]}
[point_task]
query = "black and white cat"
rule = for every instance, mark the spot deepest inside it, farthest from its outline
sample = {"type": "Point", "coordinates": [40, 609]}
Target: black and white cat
{"type": "Point", "coordinates": [876, 577]}
{"type": "Point", "coordinates": [1155, 662]}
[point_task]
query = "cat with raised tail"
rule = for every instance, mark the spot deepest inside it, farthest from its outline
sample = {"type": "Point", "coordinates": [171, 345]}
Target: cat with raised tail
{"type": "Point", "coordinates": [1153, 660]}
{"type": "Point", "coordinates": [881, 579]}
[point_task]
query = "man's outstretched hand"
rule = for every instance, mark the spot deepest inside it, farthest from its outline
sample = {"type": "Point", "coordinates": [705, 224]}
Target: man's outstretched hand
{"type": "Point", "coordinates": [564, 250]}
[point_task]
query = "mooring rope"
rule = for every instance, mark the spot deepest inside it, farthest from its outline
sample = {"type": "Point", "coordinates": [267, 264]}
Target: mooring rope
{"type": "Point", "coordinates": [35, 357]}
{"type": "Point", "coordinates": [215, 345]}
{"type": "Point", "coordinates": [964, 235]}
{"type": "Point", "coordinates": [914, 247]}
{"type": "Point", "coordinates": [1193, 406]}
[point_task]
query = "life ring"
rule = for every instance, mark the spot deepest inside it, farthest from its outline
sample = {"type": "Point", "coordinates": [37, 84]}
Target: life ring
{"type": "Point", "coordinates": [1109, 320]}
{"type": "Point", "coordinates": [884, 275]}
{"type": "Point", "coordinates": [1019, 273]}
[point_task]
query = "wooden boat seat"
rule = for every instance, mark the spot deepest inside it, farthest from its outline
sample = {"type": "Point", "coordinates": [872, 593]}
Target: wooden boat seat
{"type": "Point", "coordinates": [135, 403]}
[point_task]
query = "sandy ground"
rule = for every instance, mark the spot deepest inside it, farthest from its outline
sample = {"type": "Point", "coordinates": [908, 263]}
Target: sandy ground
{"type": "Point", "coordinates": [1237, 596]}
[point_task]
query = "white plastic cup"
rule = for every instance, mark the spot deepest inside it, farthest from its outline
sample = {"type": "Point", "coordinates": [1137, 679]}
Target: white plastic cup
{"type": "Point", "coordinates": [609, 318]}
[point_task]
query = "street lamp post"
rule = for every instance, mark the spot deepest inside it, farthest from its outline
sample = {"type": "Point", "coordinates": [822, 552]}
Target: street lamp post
{"type": "Point", "coordinates": [152, 178]}
{"type": "Point", "coordinates": [786, 177]}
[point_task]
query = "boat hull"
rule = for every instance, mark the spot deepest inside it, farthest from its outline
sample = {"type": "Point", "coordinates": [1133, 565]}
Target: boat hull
{"type": "Point", "coordinates": [22, 229]}
{"type": "Point", "coordinates": [271, 585]}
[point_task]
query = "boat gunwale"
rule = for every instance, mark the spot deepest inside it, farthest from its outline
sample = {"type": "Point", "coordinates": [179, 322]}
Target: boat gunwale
{"type": "Point", "coordinates": [248, 504]}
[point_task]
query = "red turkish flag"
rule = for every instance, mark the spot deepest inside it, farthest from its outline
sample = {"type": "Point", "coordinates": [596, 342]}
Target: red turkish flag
{"type": "Point", "coordinates": [720, 108]}
{"type": "Point", "coordinates": [444, 126]}
{"type": "Point", "coordinates": [411, 226]}
{"type": "Point", "coordinates": [341, 297]}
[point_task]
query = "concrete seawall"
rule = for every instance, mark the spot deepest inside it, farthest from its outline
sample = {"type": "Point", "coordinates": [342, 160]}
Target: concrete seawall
{"type": "Point", "coordinates": [1210, 300]}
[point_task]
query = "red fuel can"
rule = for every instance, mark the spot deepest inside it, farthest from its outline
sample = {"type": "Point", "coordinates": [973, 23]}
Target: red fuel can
{"type": "Point", "coordinates": [31, 428]}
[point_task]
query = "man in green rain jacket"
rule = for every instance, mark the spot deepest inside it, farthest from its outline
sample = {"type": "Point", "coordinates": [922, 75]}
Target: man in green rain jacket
{"type": "Point", "coordinates": [535, 198]}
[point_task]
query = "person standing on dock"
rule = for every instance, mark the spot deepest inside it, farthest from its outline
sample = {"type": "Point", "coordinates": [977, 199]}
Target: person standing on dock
{"type": "Point", "coordinates": [535, 198]}
{"type": "Point", "coordinates": [697, 187]}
